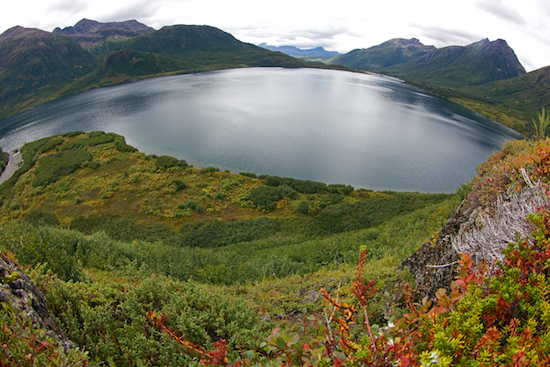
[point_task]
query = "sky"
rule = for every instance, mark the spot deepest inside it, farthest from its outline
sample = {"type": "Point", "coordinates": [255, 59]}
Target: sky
{"type": "Point", "coordinates": [341, 25]}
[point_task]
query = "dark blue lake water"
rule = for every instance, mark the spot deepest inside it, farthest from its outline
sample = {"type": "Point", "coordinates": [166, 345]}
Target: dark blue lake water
{"type": "Point", "coordinates": [324, 125]}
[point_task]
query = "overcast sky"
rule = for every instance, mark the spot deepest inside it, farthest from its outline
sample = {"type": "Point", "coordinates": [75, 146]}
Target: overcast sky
{"type": "Point", "coordinates": [341, 25]}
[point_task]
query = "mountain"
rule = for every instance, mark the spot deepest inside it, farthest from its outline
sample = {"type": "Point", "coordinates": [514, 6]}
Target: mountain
{"type": "Point", "coordinates": [123, 247]}
{"type": "Point", "coordinates": [38, 66]}
{"type": "Point", "coordinates": [389, 53]}
{"type": "Point", "coordinates": [530, 90]}
{"type": "Point", "coordinates": [34, 62]}
{"type": "Point", "coordinates": [203, 45]}
{"type": "Point", "coordinates": [484, 76]}
{"type": "Point", "coordinates": [90, 32]}
{"type": "Point", "coordinates": [452, 66]}
{"type": "Point", "coordinates": [297, 52]}
{"type": "Point", "coordinates": [475, 64]}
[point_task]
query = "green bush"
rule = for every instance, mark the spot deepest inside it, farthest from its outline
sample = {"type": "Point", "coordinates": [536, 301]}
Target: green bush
{"type": "Point", "coordinates": [302, 186]}
{"type": "Point", "coordinates": [165, 162]}
{"type": "Point", "coordinates": [265, 197]}
{"type": "Point", "coordinates": [73, 134]}
{"type": "Point", "coordinates": [302, 207]}
{"type": "Point", "coordinates": [111, 320]}
{"type": "Point", "coordinates": [35, 245]}
{"type": "Point", "coordinates": [23, 344]}
{"type": "Point", "coordinates": [38, 217]}
{"type": "Point", "coordinates": [121, 146]}
{"type": "Point", "coordinates": [121, 229]}
{"type": "Point", "coordinates": [247, 174]}
{"type": "Point", "coordinates": [217, 233]}
{"type": "Point", "coordinates": [53, 167]}
{"type": "Point", "coordinates": [179, 184]}
{"type": "Point", "coordinates": [209, 169]}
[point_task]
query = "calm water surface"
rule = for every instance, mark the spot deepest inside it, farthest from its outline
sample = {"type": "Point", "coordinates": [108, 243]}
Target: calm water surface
{"type": "Point", "coordinates": [331, 126]}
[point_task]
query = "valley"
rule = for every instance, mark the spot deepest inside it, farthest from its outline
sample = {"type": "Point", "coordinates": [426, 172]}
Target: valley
{"type": "Point", "coordinates": [145, 260]}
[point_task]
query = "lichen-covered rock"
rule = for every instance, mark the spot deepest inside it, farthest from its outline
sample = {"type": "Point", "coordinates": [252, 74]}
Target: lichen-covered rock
{"type": "Point", "coordinates": [18, 289]}
{"type": "Point", "coordinates": [434, 266]}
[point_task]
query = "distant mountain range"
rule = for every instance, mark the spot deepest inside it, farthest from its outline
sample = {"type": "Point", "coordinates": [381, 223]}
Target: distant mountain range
{"type": "Point", "coordinates": [297, 52]}
{"type": "Point", "coordinates": [389, 53]}
{"type": "Point", "coordinates": [475, 64]}
{"type": "Point", "coordinates": [38, 66]}
{"type": "Point", "coordinates": [485, 76]}
{"type": "Point", "coordinates": [89, 32]}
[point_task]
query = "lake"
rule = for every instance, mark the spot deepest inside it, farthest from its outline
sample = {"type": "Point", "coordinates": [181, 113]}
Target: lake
{"type": "Point", "coordinates": [332, 126]}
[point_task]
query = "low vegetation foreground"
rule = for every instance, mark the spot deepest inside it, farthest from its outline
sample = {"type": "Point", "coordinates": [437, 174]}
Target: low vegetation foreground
{"type": "Point", "coordinates": [147, 261]}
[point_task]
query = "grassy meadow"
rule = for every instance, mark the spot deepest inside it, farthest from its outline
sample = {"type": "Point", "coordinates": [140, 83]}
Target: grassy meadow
{"type": "Point", "coordinates": [110, 234]}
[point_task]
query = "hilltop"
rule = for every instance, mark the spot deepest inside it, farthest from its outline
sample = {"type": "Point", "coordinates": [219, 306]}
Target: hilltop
{"type": "Point", "coordinates": [90, 33]}
{"type": "Point", "coordinates": [301, 53]}
{"type": "Point", "coordinates": [124, 245]}
{"type": "Point", "coordinates": [38, 66]}
{"type": "Point", "coordinates": [485, 76]}
{"type": "Point", "coordinates": [392, 52]}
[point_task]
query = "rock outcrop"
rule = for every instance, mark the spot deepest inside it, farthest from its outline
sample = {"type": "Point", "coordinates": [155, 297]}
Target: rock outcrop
{"type": "Point", "coordinates": [19, 290]}
{"type": "Point", "coordinates": [90, 32]}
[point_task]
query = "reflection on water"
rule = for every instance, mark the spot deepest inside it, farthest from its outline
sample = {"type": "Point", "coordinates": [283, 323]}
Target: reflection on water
{"type": "Point", "coordinates": [330, 126]}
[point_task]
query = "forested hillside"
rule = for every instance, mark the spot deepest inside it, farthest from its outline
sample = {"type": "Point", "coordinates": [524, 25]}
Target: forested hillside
{"type": "Point", "coordinates": [38, 67]}
{"type": "Point", "coordinates": [200, 266]}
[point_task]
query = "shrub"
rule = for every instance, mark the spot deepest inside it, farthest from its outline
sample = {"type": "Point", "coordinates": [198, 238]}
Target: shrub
{"type": "Point", "coordinates": [190, 204]}
{"type": "Point", "coordinates": [179, 184]}
{"type": "Point", "coordinates": [122, 229]}
{"type": "Point", "coordinates": [22, 344]}
{"type": "Point", "coordinates": [165, 162]}
{"type": "Point", "coordinates": [35, 245]}
{"type": "Point", "coordinates": [247, 174]}
{"type": "Point", "coordinates": [302, 207]}
{"type": "Point", "coordinates": [110, 319]}
{"type": "Point", "coordinates": [209, 169]}
{"type": "Point", "coordinates": [217, 233]}
{"type": "Point", "coordinates": [121, 146]}
{"type": "Point", "coordinates": [340, 189]}
{"type": "Point", "coordinates": [264, 197]}
{"type": "Point", "coordinates": [302, 186]}
{"type": "Point", "coordinates": [54, 167]}
{"type": "Point", "coordinates": [38, 217]}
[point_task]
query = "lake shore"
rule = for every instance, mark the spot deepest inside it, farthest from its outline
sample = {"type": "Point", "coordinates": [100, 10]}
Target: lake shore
{"type": "Point", "coordinates": [14, 162]}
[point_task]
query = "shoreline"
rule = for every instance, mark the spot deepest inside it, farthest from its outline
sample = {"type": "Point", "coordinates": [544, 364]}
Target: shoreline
{"type": "Point", "coordinates": [15, 161]}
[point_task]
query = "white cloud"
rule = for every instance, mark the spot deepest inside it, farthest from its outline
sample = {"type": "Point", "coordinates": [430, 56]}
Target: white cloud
{"type": "Point", "coordinates": [447, 37]}
{"type": "Point", "coordinates": [340, 26]}
{"type": "Point", "coordinates": [502, 11]}
{"type": "Point", "coordinates": [68, 6]}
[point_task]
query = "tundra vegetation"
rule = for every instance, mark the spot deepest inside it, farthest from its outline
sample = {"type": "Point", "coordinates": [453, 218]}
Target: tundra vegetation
{"type": "Point", "coordinates": [146, 260]}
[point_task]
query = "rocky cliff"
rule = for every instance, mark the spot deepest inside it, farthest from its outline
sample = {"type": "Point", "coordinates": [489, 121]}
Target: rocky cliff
{"type": "Point", "coordinates": [18, 289]}
{"type": "Point", "coordinates": [90, 32]}
{"type": "Point", "coordinates": [392, 52]}
{"type": "Point", "coordinates": [510, 187]}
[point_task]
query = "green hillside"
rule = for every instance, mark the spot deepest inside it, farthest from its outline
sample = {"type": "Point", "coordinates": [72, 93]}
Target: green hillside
{"type": "Point", "coordinates": [484, 76]}
{"type": "Point", "coordinates": [392, 52]}
{"type": "Point", "coordinates": [458, 66]}
{"type": "Point", "coordinates": [38, 67]}
{"type": "Point", "coordinates": [145, 260]}
{"type": "Point", "coordinates": [35, 64]}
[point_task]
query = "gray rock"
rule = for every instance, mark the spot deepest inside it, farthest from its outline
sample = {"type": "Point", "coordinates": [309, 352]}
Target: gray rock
{"type": "Point", "coordinates": [25, 297]}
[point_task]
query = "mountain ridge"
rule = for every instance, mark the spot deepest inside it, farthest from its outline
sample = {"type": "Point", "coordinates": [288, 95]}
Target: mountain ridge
{"type": "Point", "coordinates": [297, 52]}
{"type": "Point", "coordinates": [38, 66]}
{"type": "Point", "coordinates": [90, 32]}
{"type": "Point", "coordinates": [391, 52]}
{"type": "Point", "coordinates": [456, 72]}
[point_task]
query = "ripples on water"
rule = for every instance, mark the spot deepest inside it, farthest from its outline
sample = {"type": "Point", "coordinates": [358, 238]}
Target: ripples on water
{"type": "Point", "coordinates": [331, 126]}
